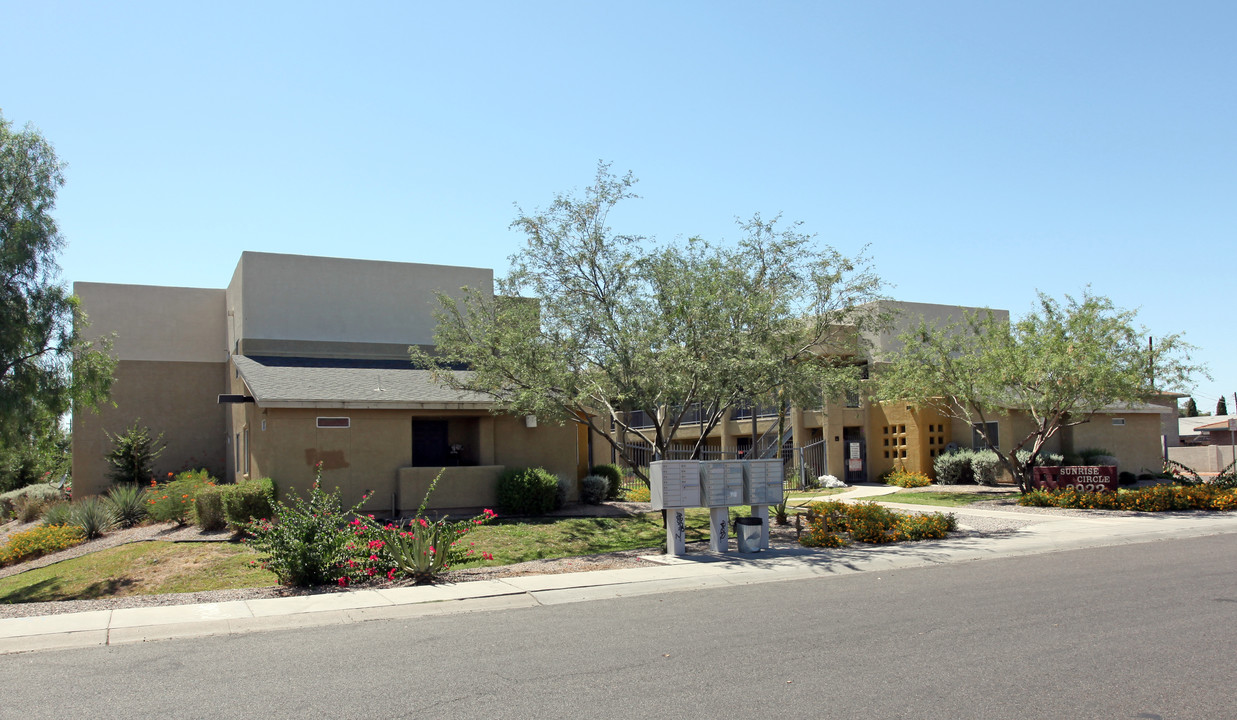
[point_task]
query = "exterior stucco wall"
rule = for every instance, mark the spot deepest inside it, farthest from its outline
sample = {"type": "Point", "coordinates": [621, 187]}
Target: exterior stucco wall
{"type": "Point", "coordinates": [178, 399]}
{"type": "Point", "coordinates": [1136, 444]}
{"type": "Point", "coordinates": [376, 451]}
{"type": "Point", "coordinates": [305, 299]}
{"type": "Point", "coordinates": [171, 366]}
{"type": "Point", "coordinates": [907, 316]}
{"type": "Point", "coordinates": [553, 447]}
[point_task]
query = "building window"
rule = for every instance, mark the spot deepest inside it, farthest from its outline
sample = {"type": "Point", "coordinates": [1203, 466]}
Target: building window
{"type": "Point", "coordinates": [977, 440]}
{"type": "Point", "coordinates": [1118, 421]}
{"type": "Point", "coordinates": [334, 422]}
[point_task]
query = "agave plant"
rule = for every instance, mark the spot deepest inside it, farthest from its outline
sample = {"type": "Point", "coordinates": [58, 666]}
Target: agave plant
{"type": "Point", "coordinates": [93, 516]}
{"type": "Point", "coordinates": [128, 504]}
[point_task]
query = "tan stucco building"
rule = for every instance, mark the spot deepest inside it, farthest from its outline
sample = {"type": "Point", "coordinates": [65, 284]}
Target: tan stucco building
{"type": "Point", "coordinates": [858, 441]}
{"type": "Point", "coordinates": [310, 355]}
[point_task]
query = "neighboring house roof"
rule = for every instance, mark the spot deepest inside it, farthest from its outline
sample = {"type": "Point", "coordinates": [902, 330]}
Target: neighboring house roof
{"type": "Point", "coordinates": [1194, 426]}
{"type": "Point", "coordinates": [337, 383]}
{"type": "Point", "coordinates": [1218, 422]}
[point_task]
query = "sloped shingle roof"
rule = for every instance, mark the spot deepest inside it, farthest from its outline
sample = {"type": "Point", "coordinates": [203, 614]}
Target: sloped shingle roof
{"type": "Point", "coordinates": [317, 382]}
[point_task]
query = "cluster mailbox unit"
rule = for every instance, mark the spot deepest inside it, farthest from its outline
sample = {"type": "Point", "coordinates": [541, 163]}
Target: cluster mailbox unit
{"type": "Point", "coordinates": [764, 482]}
{"type": "Point", "coordinates": [717, 485]}
{"type": "Point", "coordinates": [674, 484]}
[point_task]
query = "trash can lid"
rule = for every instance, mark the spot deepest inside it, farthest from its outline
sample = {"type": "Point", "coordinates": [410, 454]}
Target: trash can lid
{"type": "Point", "coordinates": [748, 521]}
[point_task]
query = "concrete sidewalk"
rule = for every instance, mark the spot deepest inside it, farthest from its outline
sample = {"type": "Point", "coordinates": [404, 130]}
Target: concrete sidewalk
{"type": "Point", "coordinates": [664, 574]}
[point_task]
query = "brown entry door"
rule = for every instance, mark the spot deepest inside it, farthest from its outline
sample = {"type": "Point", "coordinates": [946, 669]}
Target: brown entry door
{"type": "Point", "coordinates": [429, 443]}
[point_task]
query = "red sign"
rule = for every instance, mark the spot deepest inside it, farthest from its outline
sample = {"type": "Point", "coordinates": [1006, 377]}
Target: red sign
{"type": "Point", "coordinates": [1083, 478]}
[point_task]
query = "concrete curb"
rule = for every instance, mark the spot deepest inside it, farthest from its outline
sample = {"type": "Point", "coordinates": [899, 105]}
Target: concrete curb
{"type": "Point", "coordinates": [665, 574]}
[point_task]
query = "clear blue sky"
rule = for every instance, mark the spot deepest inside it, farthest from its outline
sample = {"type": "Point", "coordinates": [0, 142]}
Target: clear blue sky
{"type": "Point", "coordinates": [984, 150]}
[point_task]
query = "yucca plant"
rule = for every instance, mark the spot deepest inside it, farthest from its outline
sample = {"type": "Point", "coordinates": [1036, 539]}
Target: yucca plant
{"type": "Point", "coordinates": [93, 516]}
{"type": "Point", "coordinates": [60, 513]}
{"type": "Point", "coordinates": [128, 504]}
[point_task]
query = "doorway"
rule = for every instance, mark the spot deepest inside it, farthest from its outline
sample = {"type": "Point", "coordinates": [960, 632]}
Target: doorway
{"type": "Point", "coordinates": [854, 455]}
{"type": "Point", "coordinates": [429, 443]}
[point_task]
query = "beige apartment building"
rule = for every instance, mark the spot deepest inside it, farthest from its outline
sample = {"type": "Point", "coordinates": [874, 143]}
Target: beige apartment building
{"type": "Point", "coordinates": [858, 441]}
{"type": "Point", "coordinates": [304, 360]}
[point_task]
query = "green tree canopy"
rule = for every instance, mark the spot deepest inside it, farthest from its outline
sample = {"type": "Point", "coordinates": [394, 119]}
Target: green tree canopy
{"type": "Point", "coordinates": [45, 365]}
{"type": "Point", "coordinates": [1222, 406]}
{"type": "Point", "coordinates": [591, 325]}
{"type": "Point", "coordinates": [1059, 365]}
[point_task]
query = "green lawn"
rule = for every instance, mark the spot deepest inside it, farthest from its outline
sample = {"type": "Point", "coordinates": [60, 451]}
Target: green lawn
{"type": "Point", "coordinates": [946, 499]}
{"type": "Point", "coordinates": [515, 542]}
{"type": "Point", "coordinates": [152, 568]}
{"type": "Point", "coordinates": [147, 568]}
{"type": "Point", "coordinates": [800, 494]}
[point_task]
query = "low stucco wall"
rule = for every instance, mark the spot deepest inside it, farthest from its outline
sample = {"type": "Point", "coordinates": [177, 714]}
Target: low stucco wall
{"type": "Point", "coordinates": [1204, 458]}
{"type": "Point", "coordinates": [475, 486]}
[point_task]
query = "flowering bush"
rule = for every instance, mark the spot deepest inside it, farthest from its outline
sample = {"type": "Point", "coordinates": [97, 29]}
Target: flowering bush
{"type": "Point", "coordinates": [314, 543]}
{"type": "Point", "coordinates": [908, 479]}
{"type": "Point", "coordinates": [640, 493]}
{"type": "Point", "coordinates": [1156, 498]}
{"type": "Point", "coordinates": [870, 523]}
{"type": "Point", "coordinates": [310, 542]}
{"type": "Point", "coordinates": [39, 541]}
{"type": "Point", "coordinates": [173, 500]}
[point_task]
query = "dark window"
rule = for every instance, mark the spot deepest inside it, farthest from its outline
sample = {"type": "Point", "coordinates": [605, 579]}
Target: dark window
{"type": "Point", "coordinates": [977, 440]}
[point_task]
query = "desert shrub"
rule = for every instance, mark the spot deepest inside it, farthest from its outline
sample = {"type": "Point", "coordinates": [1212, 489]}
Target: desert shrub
{"type": "Point", "coordinates": [208, 508]}
{"type": "Point", "coordinates": [247, 501]}
{"type": "Point", "coordinates": [128, 503]}
{"type": "Point", "coordinates": [310, 542]}
{"type": "Point", "coordinates": [562, 492]}
{"type": "Point", "coordinates": [133, 454]}
{"type": "Point", "coordinates": [908, 479]}
{"type": "Point", "coordinates": [39, 541]}
{"type": "Point", "coordinates": [1126, 478]}
{"type": "Point", "coordinates": [57, 513]}
{"type": "Point", "coordinates": [173, 500]}
{"type": "Point", "coordinates": [93, 515]}
{"type": "Point", "coordinates": [1090, 456]}
{"type": "Point", "coordinates": [31, 507]}
{"type": "Point", "coordinates": [614, 477]}
{"type": "Point", "coordinates": [986, 467]}
{"type": "Point", "coordinates": [1044, 459]}
{"type": "Point", "coordinates": [593, 489]}
{"type": "Point", "coordinates": [527, 491]}
{"type": "Point", "coordinates": [640, 493]}
{"type": "Point", "coordinates": [954, 468]}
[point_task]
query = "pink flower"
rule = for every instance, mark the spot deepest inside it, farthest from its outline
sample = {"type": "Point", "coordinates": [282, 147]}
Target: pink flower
{"type": "Point", "coordinates": [391, 574]}
{"type": "Point", "coordinates": [343, 581]}
{"type": "Point", "coordinates": [487, 556]}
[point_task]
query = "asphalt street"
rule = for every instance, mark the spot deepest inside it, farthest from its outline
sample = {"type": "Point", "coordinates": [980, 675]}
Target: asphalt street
{"type": "Point", "coordinates": [1134, 631]}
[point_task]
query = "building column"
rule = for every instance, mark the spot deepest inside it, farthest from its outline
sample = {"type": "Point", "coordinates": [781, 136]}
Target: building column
{"type": "Point", "coordinates": [485, 432]}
